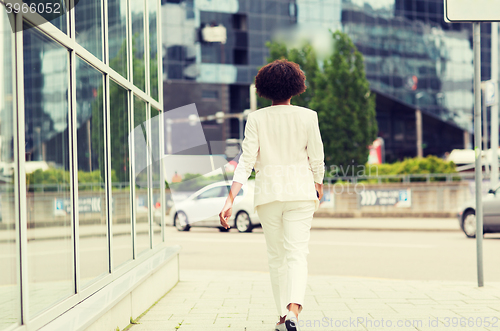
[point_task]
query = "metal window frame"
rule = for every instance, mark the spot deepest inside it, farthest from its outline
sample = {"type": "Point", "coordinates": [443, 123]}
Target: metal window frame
{"type": "Point", "coordinates": [132, 174]}
{"type": "Point", "coordinates": [19, 172]}
{"type": "Point", "coordinates": [107, 159]}
{"type": "Point", "coordinates": [150, 174]}
{"type": "Point", "coordinates": [16, 155]}
{"type": "Point", "coordinates": [159, 55]}
{"type": "Point", "coordinates": [147, 87]}
{"type": "Point", "coordinates": [73, 148]}
{"type": "Point", "coordinates": [75, 50]}
{"type": "Point", "coordinates": [55, 34]}
{"type": "Point", "coordinates": [17, 238]}
{"type": "Point", "coordinates": [107, 156]}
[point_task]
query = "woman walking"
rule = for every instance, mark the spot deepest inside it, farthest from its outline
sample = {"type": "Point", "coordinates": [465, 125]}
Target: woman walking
{"type": "Point", "coordinates": [283, 143]}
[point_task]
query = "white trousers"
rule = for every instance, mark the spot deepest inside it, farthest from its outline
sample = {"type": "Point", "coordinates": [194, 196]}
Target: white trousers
{"type": "Point", "coordinates": [287, 228]}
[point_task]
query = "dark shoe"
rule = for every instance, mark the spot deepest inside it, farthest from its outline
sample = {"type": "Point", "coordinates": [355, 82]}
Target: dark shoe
{"type": "Point", "coordinates": [291, 322]}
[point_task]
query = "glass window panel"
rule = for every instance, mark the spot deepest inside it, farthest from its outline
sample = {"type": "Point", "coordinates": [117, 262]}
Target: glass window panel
{"type": "Point", "coordinates": [117, 35]}
{"type": "Point", "coordinates": [57, 16]}
{"type": "Point", "coordinates": [48, 199]}
{"type": "Point", "coordinates": [91, 173]}
{"type": "Point", "coordinates": [120, 175]}
{"type": "Point", "coordinates": [156, 175]}
{"type": "Point", "coordinates": [9, 288]}
{"type": "Point", "coordinates": [137, 9]}
{"type": "Point", "coordinates": [88, 26]}
{"type": "Point", "coordinates": [141, 176]}
{"type": "Point", "coordinates": [153, 47]}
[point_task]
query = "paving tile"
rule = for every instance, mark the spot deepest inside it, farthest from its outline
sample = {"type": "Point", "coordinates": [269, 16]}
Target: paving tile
{"type": "Point", "coordinates": [222, 300]}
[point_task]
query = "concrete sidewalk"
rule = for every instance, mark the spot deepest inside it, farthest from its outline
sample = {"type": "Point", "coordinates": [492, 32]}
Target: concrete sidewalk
{"type": "Point", "coordinates": [392, 224]}
{"type": "Point", "coordinates": [232, 300]}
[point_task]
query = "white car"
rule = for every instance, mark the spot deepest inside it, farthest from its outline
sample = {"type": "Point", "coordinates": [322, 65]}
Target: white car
{"type": "Point", "coordinates": [491, 214]}
{"type": "Point", "coordinates": [202, 208]}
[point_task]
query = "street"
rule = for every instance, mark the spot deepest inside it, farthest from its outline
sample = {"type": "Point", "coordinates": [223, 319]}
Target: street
{"type": "Point", "coordinates": [407, 255]}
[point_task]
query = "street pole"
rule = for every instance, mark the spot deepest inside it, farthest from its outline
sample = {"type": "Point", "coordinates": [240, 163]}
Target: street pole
{"type": "Point", "coordinates": [485, 131]}
{"type": "Point", "coordinates": [494, 107]}
{"type": "Point", "coordinates": [418, 116]}
{"type": "Point", "coordinates": [477, 148]}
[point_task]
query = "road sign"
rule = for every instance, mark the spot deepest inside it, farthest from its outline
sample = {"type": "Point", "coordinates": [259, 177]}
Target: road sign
{"type": "Point", "coordinates": [471, 11]}
{"type": "Point", "coordinates": [62, 207]}
{"type": "Point", "coordinates": [395, 198]}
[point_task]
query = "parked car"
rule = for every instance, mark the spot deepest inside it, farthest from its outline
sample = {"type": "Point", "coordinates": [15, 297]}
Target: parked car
{"type": "Point", "coordinates": [491, 214]}
{"type": "Point", "coordinates": [202, 208]}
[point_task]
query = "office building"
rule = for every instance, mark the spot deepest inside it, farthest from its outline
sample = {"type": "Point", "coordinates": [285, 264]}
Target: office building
{"type": "Point", "coordinates": [419, 66]}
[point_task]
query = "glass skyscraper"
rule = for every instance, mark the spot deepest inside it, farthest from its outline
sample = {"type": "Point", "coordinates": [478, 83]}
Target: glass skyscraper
{"type": "Point", "coordinates": [411, 57]}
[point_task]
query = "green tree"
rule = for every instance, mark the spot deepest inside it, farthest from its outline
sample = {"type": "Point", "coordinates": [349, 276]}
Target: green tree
{"type": "Point", "coordinates": [345, 106]}
{"type": "Point", "coordinates": [340, 93]}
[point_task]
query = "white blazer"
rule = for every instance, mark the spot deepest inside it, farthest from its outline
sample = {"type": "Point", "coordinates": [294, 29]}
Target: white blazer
{"type": "Point", "coordinates": [283, 144]}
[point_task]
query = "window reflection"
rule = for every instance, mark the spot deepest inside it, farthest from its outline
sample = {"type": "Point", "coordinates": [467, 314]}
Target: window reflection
{"type": "Point", "coordinates": [138, 59]}
{"type": "Point", "coordinates": [91, 173]}
{"type": "Point", "coordinates": [58, 16]}
{"type": "Point", "coordinates": [117, 35]}
{"type": "Point", "coordinates": [153, 47]}
{"type": "Point", "coordinates": [88, 26]}
{"type": "Point", "coordinates": [120, 175]}
{"type": "Point", "coordinates": [50, 259]}
{"type": "Point", "coordinates": [179, 40]}
{"type": "Point", "coordinates": [9, 289]}
{"type": "Point", "coordinates": [141, 176]}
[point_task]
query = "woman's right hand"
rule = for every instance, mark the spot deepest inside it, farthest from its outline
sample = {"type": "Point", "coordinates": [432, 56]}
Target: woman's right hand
{"type": "Point", "coordinates": [319, 189]}
{"type": "Point", "coordinates": [225, 214]}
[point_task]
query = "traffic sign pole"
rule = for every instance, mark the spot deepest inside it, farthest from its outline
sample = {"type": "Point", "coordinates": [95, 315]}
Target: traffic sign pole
{"type": "Point", "coordinates": [485, 130]}
{"type": "Point", "coordinates": [494, 107]}
{"type": "Point", "coordinates": [478, 11]}
{"type": "Point", "coordinates": [477, 148]}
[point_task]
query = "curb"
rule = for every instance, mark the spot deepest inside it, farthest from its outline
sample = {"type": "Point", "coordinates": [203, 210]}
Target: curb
{"type": "Point", "coordinates": [358, 214]}
{"type": "Point", "coordinates": [385, 229]}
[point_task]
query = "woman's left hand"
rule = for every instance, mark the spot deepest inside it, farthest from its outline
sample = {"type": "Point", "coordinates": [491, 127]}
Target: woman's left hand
{"type": "Point", "coordinates": [319, 189]}
{"type": "Point", "coordinates": [225, 214]}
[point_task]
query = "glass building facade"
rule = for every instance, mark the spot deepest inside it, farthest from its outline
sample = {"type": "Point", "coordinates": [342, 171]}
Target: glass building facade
{"type": "Point", "coordinates": [410, 53]}
{"type": "Point", "coordinates": [76, 211]}
{"type": "Point", "coordinates": [413, 55]}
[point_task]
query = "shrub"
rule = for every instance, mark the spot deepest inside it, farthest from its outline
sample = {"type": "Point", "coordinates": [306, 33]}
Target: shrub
{"type": "Point", "coordinates": [49, 179]}
{"type": "Point", "coordinates": [414, 166]}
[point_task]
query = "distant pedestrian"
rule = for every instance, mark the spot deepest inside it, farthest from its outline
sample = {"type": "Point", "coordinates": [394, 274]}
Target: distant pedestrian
{"type": "Point", "coordinates": [176, 178]}
{"type": "Point", "coordinates": [283, 143]}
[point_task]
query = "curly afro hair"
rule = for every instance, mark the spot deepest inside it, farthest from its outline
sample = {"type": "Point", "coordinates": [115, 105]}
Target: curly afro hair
{"type": "Point", "coordinates": [280, 80]}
